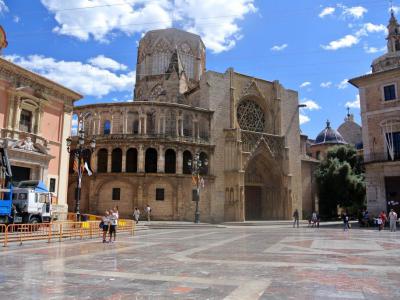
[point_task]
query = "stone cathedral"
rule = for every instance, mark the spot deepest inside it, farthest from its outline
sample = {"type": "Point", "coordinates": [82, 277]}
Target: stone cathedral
{"type": "Point", "coordinates": [245, 127]}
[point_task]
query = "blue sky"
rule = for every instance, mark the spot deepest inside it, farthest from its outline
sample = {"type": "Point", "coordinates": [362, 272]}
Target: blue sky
{"type": "Point", "coordinates": [310, 46]}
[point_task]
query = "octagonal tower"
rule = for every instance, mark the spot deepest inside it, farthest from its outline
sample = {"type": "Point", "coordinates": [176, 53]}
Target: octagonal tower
{"type": "Point", "coordinates": [170, 62]}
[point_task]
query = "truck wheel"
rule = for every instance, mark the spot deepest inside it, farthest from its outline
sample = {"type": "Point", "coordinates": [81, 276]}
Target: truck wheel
{"type": "Point", "coordinates": [35, 222]}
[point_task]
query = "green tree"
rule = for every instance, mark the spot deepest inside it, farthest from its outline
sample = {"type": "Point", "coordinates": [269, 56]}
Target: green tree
{"type": "Point", "coordinates": [340, 181]}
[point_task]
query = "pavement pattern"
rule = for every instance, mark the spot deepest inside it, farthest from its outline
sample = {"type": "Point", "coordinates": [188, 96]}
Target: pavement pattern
{"type": "Point", "coordinates": [234, 263]}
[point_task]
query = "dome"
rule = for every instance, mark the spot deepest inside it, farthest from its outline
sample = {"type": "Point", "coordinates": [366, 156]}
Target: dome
{"type": "Point", "coordinates": [329, 136]}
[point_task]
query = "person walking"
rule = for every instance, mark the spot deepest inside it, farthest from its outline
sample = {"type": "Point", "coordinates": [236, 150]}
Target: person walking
{"type": "Point", "coordinates": [392, 220]}
{"type": "Point", "coordinates": [148, 212]}
{"type": "Point", "coordinates": [314, 219]}
{"type": "Point", "coordinates": [136, 214]}
{"type": "Point", "coordinates": [345, 222]}
{"type": "Point", "coordinates": [383, 218]}
{"type": "Point", "coordinates": [113, 225]}
{"type": "Point", "coordinates": [296, 218]}
{"type": "Point", "coordinates": [106, 225]}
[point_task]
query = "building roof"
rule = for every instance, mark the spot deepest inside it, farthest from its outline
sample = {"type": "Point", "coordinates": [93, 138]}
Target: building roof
{"type": "Point", "coordinates": [329, 136]}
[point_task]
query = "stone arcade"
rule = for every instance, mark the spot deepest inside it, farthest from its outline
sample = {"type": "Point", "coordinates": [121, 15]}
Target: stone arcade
{"type": "Point", "coordinates": [247, 128]}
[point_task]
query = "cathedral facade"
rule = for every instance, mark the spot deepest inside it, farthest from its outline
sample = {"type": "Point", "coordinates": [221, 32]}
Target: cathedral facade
{"type": "Point", "coordinates": [246, 128]}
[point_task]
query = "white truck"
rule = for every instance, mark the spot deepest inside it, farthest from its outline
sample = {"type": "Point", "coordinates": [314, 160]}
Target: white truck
{"type": "Point", "coordinates": [28, 202]}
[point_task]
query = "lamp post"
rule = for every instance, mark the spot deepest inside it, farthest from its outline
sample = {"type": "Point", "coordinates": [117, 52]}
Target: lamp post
{"type": "Point", "coordinates": [197, 165]}
{"type": "Point", "coordinates": [78, 153]}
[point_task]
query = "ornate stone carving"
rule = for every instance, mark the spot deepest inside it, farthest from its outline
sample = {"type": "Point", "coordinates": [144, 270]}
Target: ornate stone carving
{"type": "Point", "coordinates": [250, 116]}
{"type": "Point", "coordinates": [252, 89]}
{"type": "Point", "coordinates": [251, 141]}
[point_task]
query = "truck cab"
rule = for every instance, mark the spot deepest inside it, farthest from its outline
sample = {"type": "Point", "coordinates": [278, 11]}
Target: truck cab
{"type": "Point", "coordinates": [31, 203]}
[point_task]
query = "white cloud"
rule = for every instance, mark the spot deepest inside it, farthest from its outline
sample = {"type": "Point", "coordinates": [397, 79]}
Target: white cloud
{"type": "Point", "coordinates": [303, 119]}
{"type": "Point", "coordinates": [356, 12]}
{"type": "Point", "coordinates": [279, 47]}
{"type": "Point", "coordinates": [327, 11]}
{"type": "Point", "coordinates": [3, 7]}
{"type": "Point", "coordinates": [216, 21]}
{"type": "Point", "coordinates": [87, 79]}
{"type": "Point", "coordinates": [396, 9]}
{"type": "Point", "coordinates": [344, 42]}
{"type": "Point", "coordinates": [371, 28]}
{"type": "Point", "coordinates": [343, 84]}
{"type": "Point", "coordinates": [106, 63]}
{"type": "Point", "coordinates": [326, 84]}
{"type": "Point", "coordinates": [311, 104]}
{"type": "Point", "coordinates": [304, 84]}
{"type": "Point", "coordinates": [16, 19]}
{"type": "Point", "coordinates": [372, 50]}
{"type": "Point", "coordinates": [354, 104]}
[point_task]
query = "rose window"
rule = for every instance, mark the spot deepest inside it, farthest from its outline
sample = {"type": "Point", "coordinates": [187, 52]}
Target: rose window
{"type": "Point", "coordinates": [250, 116]}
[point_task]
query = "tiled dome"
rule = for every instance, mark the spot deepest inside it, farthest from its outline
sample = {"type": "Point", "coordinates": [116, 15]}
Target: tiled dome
{"type": "Point", "coordinates": [329, 136]}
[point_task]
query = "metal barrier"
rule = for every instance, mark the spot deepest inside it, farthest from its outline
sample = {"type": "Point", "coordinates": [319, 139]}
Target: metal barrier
{"type": "Point", "coordinates": [58, 231]}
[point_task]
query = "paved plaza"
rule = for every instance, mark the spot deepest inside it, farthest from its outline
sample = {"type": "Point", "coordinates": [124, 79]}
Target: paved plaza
{"type": "Point", "coordinates": [209, 263]}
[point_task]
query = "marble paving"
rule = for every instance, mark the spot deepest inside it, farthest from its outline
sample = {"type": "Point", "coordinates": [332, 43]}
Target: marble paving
{"type": "Point", "coordinates": [236, 263]}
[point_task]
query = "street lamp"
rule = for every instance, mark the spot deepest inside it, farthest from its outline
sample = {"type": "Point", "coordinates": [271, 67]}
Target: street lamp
{"type": "Point", "coordinates": [197, 165]}
{"type": "Point", "coordinates": [78, 154]}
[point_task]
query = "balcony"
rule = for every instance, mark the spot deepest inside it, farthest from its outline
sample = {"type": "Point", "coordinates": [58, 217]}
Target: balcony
{"type": "Point", "coordinates": [135, 137]}
{"type": "Point", "coordinates": [21, 135]}
{"type": "Point", "coordinates": [377, 157]}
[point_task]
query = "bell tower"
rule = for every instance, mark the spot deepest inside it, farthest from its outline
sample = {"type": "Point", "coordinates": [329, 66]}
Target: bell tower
{"type": "Point", "coordinates": [393, 37]}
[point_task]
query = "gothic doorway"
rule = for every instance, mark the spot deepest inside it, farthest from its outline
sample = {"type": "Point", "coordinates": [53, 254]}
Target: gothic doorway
{"type": "Point", "coordinates": [263, 187]}
{"type": "Point", "coordinates": [253, 207]}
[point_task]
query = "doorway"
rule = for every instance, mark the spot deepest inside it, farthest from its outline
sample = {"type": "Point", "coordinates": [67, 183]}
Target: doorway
{"type": "Point", "coordinates": [253, 195]}
{"type": "Point", "coordinates": [20, 174]}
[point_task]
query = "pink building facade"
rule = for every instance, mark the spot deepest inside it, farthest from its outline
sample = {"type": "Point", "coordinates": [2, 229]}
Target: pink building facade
{"type": "Point", "coordinates": [35, 120]}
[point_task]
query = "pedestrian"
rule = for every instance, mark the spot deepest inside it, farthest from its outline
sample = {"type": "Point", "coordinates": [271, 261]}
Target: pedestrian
{"type": "Point", "coordinates": [113, 224]}
{"type": "Point", "coordinates": [383, 218]}
{"type": "Point", "coordinates": [366, 218]}
{"type": "Point", "coordinates": [314, 219]}
{"type": "Point", "coordinates": [136, 214]}
{"type": "Point", "coordinates": [105, 225]}
{"type": "Point", "coordinates": [379, 222]}
{"type": "Point", "coordinates": [296, 218]}
{"type": "Point", "coordinates": [392, 220]}
{"type": "Point", "coordinates": [148, 212]}
{"type": "Point", "coordinates": [345, 222]}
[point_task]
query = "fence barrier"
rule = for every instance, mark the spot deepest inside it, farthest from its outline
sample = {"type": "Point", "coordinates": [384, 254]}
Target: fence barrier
{"type": "Point", "coordinates": [19, 233]}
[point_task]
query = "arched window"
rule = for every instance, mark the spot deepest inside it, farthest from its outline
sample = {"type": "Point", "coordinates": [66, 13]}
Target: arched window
{"type": "Point", "coordinates": [116, 160]}
{"type": "Point", "coordinates": [170, 161]}
{"type": "Point", "coordinates": [107, 127]}
{"type": "Point", "coordinates": [135, 127]}
{"type": "Point", "coordinates": [151, 161]}
{"type": "Point", "coordinates": [170, 128]}
{"type": "Point", "coordinates": [186, 169]}
{"type": "Point", "coordinates": [102, 160]}
{"type": "Point", "coordinates": [204, 168]}
{"type": "Point", "coordinates": [131, 160]}
{"type": "Point", "coordinates": [250, 116]}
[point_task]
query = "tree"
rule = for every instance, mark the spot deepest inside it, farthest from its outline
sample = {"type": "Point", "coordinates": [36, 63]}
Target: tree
{"type": "Point", "coordinates": [340, 181]}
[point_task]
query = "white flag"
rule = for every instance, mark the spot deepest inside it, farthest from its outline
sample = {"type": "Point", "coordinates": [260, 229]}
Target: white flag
{"type": "Point", "coordinates": [87, 169]}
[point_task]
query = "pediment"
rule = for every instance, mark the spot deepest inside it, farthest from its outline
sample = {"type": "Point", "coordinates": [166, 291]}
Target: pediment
{"type": "Point", "coordinates": [252, 89]}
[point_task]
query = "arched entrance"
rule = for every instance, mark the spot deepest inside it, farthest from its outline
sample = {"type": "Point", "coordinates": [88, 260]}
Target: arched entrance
{"type": "Point", "coordinates": [263, 189]}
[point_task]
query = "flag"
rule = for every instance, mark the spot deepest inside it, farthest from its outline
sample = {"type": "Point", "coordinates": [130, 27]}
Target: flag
{"type": "Point", "coordinates": [75, 166]}
{"type": "Point", "coordinates": [202, 182]}
{"type": "Point", "coordinates": [87, 169]}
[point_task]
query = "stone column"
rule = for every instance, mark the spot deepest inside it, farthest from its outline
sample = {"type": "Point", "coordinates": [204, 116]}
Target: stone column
{"type": "Point", "coordinates": [177, 126]}
{"type": "Point", "coordinates": [194, 135]}
{"type": "Point", "coordinates": [109, 160]}
{"type": "Point", "coordinates": [179, 161]}
{"type": "Point", "coordinates": [94, 161]}
{"type": "Point", "coordinates": [123, 159]}
{"type": "Point", "coordinates": [99, 125]}
{"type": "Point", "coordinates": [141, 158]}
{"type": "Point", "coordinates": [140, 125]}
{"type": "Point", "coordinates": [125, 122]}
{"type": "Point", "coordinates": [112, 124]}
{"type": "Point", "coordinates": [160, 160]}
{"type": "Point", "coordinates": [164, 124]}
{"type": "Point", "coordinates": [181, 127]}
{"type": "Point", "coordinates": [145, 124]}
